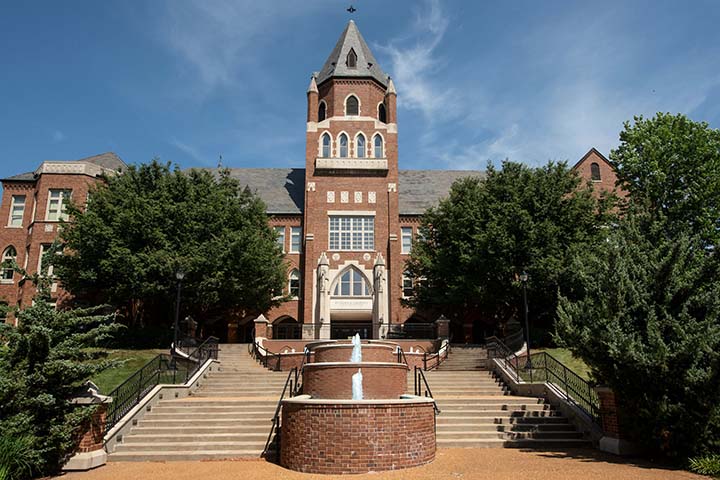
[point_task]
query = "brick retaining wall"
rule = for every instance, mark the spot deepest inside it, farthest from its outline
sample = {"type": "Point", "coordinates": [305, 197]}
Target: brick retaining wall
{"type": "Point", "coordinates": [334, 380]}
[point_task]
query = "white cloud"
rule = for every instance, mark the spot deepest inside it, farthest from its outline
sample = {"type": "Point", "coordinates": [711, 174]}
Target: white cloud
{"type": "Point", "coordinates": [190, 151]}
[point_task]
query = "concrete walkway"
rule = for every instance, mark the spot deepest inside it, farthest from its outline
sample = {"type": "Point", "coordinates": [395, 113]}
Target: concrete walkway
{"type": "Point", "coordinates": [452, 463]}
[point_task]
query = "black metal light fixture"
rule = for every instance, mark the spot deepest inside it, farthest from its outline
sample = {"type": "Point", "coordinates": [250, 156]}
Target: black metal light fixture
{"type": "Point", "coordinates": [179, 276]}
{"type": "Point", "coordinates": [524, 277]}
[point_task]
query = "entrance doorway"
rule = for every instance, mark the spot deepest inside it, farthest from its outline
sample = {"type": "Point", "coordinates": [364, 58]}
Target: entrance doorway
{"type": "Point", "coordinates": [340, 330]}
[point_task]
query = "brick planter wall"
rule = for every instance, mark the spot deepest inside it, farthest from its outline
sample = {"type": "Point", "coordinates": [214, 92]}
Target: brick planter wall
{"type": "Point", "coordinates": [91, 438]}
{"type": "Point", "coordinates": [334, 380]}
{"type": "Point", "coordinates": [340, 437]}
{"type": "Point", "coordinates": [342, 353]}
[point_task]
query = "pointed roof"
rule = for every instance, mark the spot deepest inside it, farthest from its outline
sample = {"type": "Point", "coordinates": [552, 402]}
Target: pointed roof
{"type": "Point", "coordinates": [367, 66]}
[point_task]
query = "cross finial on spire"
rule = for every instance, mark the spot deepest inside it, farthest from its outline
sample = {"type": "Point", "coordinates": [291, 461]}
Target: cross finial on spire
{"type": "Point", "coordinates": [351, 9]}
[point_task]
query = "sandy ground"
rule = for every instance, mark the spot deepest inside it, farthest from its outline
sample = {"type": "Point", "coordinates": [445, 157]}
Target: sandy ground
{"type": "Point", "coordinates": [459, 463]}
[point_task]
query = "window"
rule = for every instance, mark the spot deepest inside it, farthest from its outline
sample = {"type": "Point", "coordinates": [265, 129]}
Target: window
{"type": "Point", "coordinates": [294, 285]}
{"type": "Point", "coordinates": [352, 106]}
{"type": "Point", "coordinates": [343, 145]}
{"type": "Point", "coordinates": [3, 311]}
{"type": "Point", "coordinates": [407, 285]}
{"type": "Point", "coordinates": [360, 146]}
{"type": "Point", "coordinates": [352, 283]}
{"type": "Point", "coordinates": [351, 59]}
{"type": "Point", "coordinates": [9, 255]}
{"type": "Point", "coordinates": [406, 236]}
{"type": "Point", "coordinates": [378, 148]}
{"type": "Point", "coordinates": [352, 233]}
{"type": "Point", "coordinates": [322, 111]}
{"type": "Point", "coordinates": [326, 145]}
{"type": "Point", "coordinates": [382, 114]}
{"type": "Point", "coordinates": [280, 237]}
{"type": "Point", "coordinates": [295, 239]}
{"type": "Point", "coordinates": [595, 172]}
{"type": "Point", "coordinates": [57, 201]}
{"type": "Point", "coordinates": [17, 209]}
{"type": "Point", "coordinates": [42, 267]}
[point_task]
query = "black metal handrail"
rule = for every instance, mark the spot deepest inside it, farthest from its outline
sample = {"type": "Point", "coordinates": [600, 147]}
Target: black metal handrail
{"type": "Point", "coordinates": [291, 382]}
{"type": "Point", "coordinates": [433, 360]}
{"type": "Point", "coordinates": [163, 369]}
{"type": "Point", "coordinates": [419, 382]}
{"type": "Point", "coordinates": [265, 357]}
{"type": "Point", "coordinates": [544, 368]}
{"type": "Point", "coordinates": [412, 331]}
{"type": "Point", "coordinates": [401, 356]}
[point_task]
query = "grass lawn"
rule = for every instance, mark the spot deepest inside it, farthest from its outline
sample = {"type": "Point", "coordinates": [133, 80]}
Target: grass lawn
{"type": "Point", "coordinates": [564, 356]}
{"type": "Point", "coordinates": [132, 360]}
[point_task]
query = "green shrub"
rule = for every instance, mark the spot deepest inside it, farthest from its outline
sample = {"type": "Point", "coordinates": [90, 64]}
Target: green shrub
{"type": "Point", "coordinates": [16, 457]}
{"type": "Point", "coordinates": [708, 465]}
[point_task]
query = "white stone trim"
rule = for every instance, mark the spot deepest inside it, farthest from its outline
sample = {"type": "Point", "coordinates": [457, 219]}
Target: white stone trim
{"type": "Point", "coordinates": [349, 163]}
{"type": "Point", "coordinates": [355, 213]}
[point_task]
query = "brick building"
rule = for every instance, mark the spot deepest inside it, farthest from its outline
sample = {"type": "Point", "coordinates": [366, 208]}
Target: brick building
{"type": "Point", "coordinates": [33, 205]}
{"type": "Point", "coordinates": [346, 221]}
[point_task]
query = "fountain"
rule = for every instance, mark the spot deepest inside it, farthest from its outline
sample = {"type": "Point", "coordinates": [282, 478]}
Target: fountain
{"type": "Point", "coordinates": [355, 416]}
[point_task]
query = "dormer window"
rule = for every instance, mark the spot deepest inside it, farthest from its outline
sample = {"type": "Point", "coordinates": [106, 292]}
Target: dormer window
{"type": "Point", "coordinates": [322, 111]}
{"type": "Point", "coordinates": [352, 106]}
{"type": "Point", "coordinates": [595, 172]}
{"type": "Point", "coordinates": [351, 59]}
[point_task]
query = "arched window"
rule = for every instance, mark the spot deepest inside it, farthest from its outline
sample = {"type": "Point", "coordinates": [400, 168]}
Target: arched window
{"type": "Point", "coordinates": [322, 111]}
{"type": "Point", "coordinates": [326, 145]}
{"type": "Point", "coordinates": [352, 283]}
{"type": "Point", "coordinates": [9, 255]}
{"type": "Point", "coordinates": [378, 147]}
{"type": "Point", "coordinates": [382, 114]}
{"type": "Point", "coordinates": [294, 284]}
{"type": "Point", "coordinates": [352, 106]}
{"type": "Point", "coordinates": [595, 172]}
{"type": "Point", "coordinates": [351, 61]}
{"type": "Point", "coordinates": [286, 328]}
{"type": "Point", "coordinates": [343, 145]}
{"type": "Point", "coordinates": [360, 146]}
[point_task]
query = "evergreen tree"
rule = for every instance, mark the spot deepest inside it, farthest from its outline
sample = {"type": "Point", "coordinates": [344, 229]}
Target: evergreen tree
{"type": "Point", "coordinates": [644, 313]}
{"type": "Point", "coordinates": [42, 364]}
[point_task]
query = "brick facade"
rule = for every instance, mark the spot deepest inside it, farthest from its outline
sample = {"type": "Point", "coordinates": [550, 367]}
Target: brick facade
{"type": "Point", "coordinates": [344, 437]}
{"type": "Point", "coordinates": [334, 380]}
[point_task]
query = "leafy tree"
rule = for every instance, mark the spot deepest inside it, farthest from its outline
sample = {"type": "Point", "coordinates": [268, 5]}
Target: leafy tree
{"type": "Point", "coordinates": [42, 363]}
{"type": "Point", "coordinates": [672, 165]}
{"type": "Point", "coordinates": [645, 315]}
{"type": "Point", "coordinates": [140, 227]}
{"type": "Point", "coordinates": [491, 229]}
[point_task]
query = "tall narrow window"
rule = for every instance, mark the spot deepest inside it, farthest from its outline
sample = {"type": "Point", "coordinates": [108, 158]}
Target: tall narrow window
{"type": "Point", "coordinates": [280, 238]}
{"type": "Point", "coordinates": [322, 111]}
{"type": "Point", "coordinates": [406, 234]}
{"type": "Point", "coordinates": [407, 285]}
{"type": "Point", "coordinates": [326, 145]}
{"type": "Point", "coordinates": [352, 106]}
{"type": "Point", "coordinates": [45, 267]}
{"type": "Point", "coordinates": [595, 172]}
{"type": "Point", "coordinates": [294, 286]}
{"type": "Point", "coordinates": [17, 210]}
{"type": "Point", "coordinates": [382, 114]}
{"type": "Point", "coordinates": [343, 145]}
{"type": "Point", "coordinates": [57, 203]}
{"type": "Point", "coordinates": [360, 146]}
{"type": "Point", "coordinates": [9, 255]}
{"type": "Point", "coordinates": [295, 239]}
{"type": "Point", "coordinates": [351, 59]}
{"type": "Point", "coordinates": [378, 147]}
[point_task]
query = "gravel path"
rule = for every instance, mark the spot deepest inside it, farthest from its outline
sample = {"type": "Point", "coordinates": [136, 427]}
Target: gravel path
{"type": "Point", "coordinates": [457, 463]}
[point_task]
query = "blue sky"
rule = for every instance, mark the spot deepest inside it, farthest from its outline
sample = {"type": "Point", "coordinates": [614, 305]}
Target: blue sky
{"type": "Point", "coordinates": [188, 80]}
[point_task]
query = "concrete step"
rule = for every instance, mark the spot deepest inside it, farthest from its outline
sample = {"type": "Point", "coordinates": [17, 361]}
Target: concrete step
{"type": "Point", "coordinates": [492, 408]}
{"type": "Point", "coordinates": [234, 438]}
{"type": "Point", "coordinates": [452, 435]}
{"type": "Point", "coordinates": [176, 456]}
{"type": "Point", "coordinates": [217, 402]}
{"type": "Point", "coordinates": [500, 420]}
{"type": "Point", "coordinates": [462, 429]}
{"type": "Point", "coordinates": [189, 409]}
{"type": "Point", "coordinates": [164, 423]}
{"type": "Point", "coordinates": [190, 446]}
{"type": "Point", "coordinates": [263, 428]}
{"type": "Point", "coordinates": [516, 443]}
{"type": "Point", "coordinates": [202, 415]}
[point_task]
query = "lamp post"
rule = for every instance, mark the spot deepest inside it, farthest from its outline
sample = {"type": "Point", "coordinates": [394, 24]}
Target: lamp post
{"type": "Point", "coordinates": [524, 279]}
{"type": "Point", "coordinates": [179, 275]}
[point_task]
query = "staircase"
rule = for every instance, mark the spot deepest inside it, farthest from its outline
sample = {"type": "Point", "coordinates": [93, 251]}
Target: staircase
{"type": "Point", "coordinates": [229, 416]}
{"type": "Point", "coordinates": [479, 411]}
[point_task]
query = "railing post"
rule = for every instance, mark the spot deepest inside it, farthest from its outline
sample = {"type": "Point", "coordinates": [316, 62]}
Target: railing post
{"type": "Point", "coordinates": [565, 386]}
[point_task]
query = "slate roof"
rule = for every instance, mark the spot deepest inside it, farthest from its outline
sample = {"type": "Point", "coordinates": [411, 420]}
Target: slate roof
{"type": "Point", "coordinates": [367, 66]}
{"type": "Point", "coordinates": [283, 189]}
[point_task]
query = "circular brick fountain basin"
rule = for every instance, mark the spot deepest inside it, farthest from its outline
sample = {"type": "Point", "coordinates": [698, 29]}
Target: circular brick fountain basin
{"type": "Point", "coordinates": [356, 436]}
{"type": "Point", "coordinates": [333, 380]}
{"type": "Point", "coordinates": [341, 352]}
